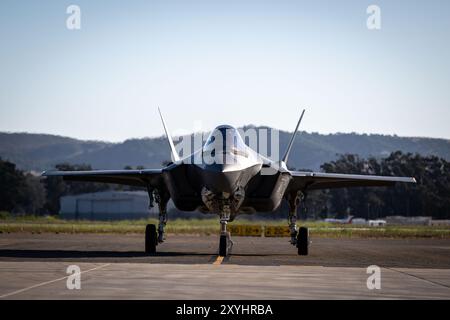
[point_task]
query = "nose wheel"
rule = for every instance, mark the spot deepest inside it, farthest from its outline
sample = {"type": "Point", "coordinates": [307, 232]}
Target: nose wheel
{"type": "Point", "coordinates": [223, 246]}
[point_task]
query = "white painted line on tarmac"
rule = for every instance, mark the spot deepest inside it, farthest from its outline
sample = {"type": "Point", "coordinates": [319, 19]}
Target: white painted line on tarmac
{"type": "Point", "coordinates": [48, 282]}
{"type": "Point", "coordinates": [418, 277]}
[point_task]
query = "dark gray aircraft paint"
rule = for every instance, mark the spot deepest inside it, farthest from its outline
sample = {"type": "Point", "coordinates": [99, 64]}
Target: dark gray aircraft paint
{"type": "Point", "coordinates": [227, 178]}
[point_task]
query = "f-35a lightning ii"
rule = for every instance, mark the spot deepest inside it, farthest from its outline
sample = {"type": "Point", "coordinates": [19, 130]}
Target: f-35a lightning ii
{"type": "Point", "coordinates": [235, 182]}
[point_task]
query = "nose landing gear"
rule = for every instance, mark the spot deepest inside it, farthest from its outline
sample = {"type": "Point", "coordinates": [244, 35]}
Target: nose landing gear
{"type": "Point", "coordinates": [223, 204]}
{"type": "Point", "coordinates": [225, 243]}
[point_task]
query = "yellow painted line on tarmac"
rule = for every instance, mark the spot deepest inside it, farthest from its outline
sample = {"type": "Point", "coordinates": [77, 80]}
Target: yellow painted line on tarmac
{"type": "Point", "coordinates": [218, 261]}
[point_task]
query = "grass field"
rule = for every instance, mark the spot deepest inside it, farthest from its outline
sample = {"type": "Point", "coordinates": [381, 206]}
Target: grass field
{"type": "Point", "coordinates": [34, 224]}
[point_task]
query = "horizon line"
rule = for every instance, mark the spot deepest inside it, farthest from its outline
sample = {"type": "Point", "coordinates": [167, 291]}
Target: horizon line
{"type": "Point", "coordinates": [193, 132]}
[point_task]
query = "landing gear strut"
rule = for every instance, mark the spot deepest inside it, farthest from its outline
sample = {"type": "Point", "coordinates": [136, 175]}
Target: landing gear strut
{"type": "Point", "coordinates": [153, 237]}
{"type": "Point", "coordinates": [162, 206]}
{"type": "Point", "coordinates": [225, 243]}
{"type": "Point", "coordinates": [223, 206]}
{"type": "Point", "coordinates": [299, 237]}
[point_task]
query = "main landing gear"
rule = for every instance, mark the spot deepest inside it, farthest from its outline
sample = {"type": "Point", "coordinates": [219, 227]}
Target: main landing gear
{"type": "Point", "coordinates": [153, 237]}
{"type": "Point", "coordinates": [299, 236]}
{"type": "Point", "coordinates": [303, 241]}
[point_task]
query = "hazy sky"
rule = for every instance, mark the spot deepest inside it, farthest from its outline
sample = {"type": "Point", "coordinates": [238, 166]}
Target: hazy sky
{"type": "Point", "coordinates": [207, 63]}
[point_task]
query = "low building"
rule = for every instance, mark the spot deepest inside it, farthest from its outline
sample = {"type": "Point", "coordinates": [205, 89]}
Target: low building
{"type": "Point", "coordinates": [425, 221]}
{"type": "Point", "coordinates": [440, 222]}
{"type": "Point", "coordinates": [108, 205]}
{"type": "Point", "coordinates": [359, 221]}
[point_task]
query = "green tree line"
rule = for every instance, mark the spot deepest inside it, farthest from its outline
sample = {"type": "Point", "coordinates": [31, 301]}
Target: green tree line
{"type": "Point", "coordinates": [430, 196]}
{"type": "Point", "coordinates": [22, 192]}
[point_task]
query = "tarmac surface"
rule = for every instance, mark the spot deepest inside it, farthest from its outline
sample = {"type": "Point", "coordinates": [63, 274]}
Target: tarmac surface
{"type": "Point", "coordinates": [34, 266]}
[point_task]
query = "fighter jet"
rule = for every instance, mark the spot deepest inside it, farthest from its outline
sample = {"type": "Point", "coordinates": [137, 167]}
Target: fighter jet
{"type": "Point", "coordinates": [227, 178]}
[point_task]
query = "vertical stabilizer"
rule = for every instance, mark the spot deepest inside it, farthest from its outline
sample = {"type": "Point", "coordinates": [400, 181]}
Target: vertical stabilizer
{"type": "Point", "coordinates": [291, 142]}
{"type": "Point", "coordinates": [175, 155]}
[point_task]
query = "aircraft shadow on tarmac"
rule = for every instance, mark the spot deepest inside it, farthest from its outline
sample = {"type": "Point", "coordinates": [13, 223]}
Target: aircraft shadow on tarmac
{"type": "Point", "coordinates": [70, 254]}
{"type": "Point", "coordinates": [204, 257]}
{"type": "Point", "coordinates": [52, 254]}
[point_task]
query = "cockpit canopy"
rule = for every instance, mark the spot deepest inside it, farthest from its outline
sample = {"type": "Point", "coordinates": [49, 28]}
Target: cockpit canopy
{"type": "Point", "coordinates": [225, 141]}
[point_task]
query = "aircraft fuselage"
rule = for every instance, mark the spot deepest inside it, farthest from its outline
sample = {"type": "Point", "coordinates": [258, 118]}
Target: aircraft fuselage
{"type": "Point", "coordinates": [224, 173]}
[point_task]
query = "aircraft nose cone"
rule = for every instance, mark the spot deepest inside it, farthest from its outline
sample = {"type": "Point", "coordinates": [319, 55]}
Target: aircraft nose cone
{"type": "Point", "coordinates": [218, 179]}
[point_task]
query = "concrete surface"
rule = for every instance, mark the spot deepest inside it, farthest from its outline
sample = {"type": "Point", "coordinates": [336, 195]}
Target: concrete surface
{"type": "Point", "coordinates": [187, 267]}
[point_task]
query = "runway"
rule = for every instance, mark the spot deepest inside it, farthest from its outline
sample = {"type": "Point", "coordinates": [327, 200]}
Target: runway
{"type": "Point", "coordinates": [33, 266]}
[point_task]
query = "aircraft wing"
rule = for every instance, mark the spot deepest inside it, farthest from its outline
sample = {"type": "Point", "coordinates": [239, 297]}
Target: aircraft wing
{"type": "Point", "coordinates": [145, 177]}
{"type": "Point", "coordinates": [318, 180]}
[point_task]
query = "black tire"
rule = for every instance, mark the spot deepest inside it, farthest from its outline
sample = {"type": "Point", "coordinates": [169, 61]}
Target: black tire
{"type": "Point", "coordinates": [303, 241]}
{"type": "Point", "coordinates": [151, 239]}
{"type": "Point", "coordinates": [223, 245]}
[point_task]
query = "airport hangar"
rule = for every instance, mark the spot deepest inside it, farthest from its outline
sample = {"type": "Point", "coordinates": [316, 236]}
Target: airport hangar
{"type": "Point", "coordinates": [107, 205]}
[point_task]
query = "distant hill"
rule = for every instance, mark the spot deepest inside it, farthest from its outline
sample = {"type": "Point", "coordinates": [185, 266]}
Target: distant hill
{"type": "Point", "coordinates": [42, 151]}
